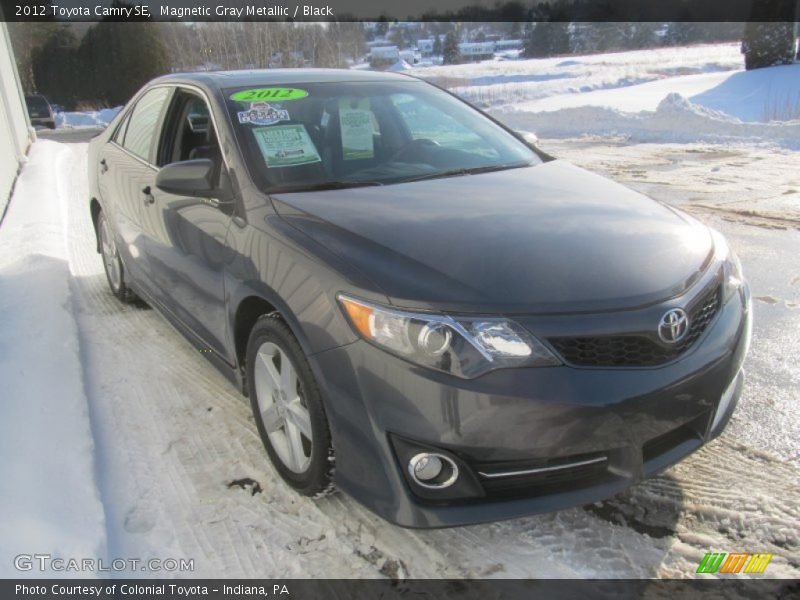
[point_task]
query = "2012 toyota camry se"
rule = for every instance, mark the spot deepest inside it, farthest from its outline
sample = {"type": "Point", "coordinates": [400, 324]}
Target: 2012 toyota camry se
{"type": "Point", "coordinates": [423, 308]}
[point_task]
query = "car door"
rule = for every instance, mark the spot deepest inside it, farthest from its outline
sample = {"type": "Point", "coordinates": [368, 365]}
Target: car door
{"type": "Point", "coordinates": [184, 236]}
{"type": "Point", "coordinates": [126, 174]}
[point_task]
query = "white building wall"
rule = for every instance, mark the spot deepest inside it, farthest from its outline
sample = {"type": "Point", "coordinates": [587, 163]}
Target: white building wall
{"type": "Point", "coordinates": [15, 130]}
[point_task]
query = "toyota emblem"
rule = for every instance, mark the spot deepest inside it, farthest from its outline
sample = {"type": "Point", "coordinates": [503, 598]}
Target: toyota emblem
{"type": "Point", "coordinates": [674, 326]}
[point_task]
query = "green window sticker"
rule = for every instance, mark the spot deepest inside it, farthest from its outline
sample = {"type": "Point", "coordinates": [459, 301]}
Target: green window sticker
{"type": "Point", "coordinates": [276, 94]}
{"type": "Point", "coordinates": [286, 146]}
{"type": "Point", "coordinates": [356, 124]}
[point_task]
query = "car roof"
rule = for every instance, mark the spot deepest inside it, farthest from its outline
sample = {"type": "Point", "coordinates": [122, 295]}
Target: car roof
{"type": "Point", "coordinates": [267, 77]}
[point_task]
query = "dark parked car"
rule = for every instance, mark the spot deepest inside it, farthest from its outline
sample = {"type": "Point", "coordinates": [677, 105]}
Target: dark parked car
{"type": "Point", "coordinates": [39, 111]}
{"type": "Point", "coordinates": [423, 308]}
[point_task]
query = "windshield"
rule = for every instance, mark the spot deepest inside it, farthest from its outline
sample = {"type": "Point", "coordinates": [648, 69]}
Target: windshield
{"type": "Point", "coordinates": [329, 135]}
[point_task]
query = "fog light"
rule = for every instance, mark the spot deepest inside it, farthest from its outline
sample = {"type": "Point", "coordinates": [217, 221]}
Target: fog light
{"type": "Point", "coordinates": [428, 467]}
{"type": "Point", "coordinates": [434, 471]}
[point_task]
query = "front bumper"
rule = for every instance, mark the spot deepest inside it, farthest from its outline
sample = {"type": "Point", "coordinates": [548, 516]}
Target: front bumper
{"type": "Point", "coordinates": [635, 422]}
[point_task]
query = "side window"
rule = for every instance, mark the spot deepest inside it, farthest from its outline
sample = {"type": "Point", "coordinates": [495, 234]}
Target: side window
{"type": "Point", "coordinates": [119, 134]}
{"type": "Point", "coordinates": [188, 131]}
{"type": "Point", "coordinates": [142, 123]}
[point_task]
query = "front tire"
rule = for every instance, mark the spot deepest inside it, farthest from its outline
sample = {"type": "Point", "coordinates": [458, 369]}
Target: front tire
{"type": "Point", "coordinates": [288, 408]}
{"type": "Point", "coordinates": [112, 263]}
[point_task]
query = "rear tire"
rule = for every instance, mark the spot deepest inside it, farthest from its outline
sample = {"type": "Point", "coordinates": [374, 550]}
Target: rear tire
{"type": "Point", "coordinates": [287, 407]}
{"type": "Point", "coordinates": [112, 263]}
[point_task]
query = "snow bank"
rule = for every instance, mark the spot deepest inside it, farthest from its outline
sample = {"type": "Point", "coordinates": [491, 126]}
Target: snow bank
{"type": "Point", "coordinates": [630, 98]}
{"type": "Point", "coordinates": [675, 119]}
{"type": "Point", "coordinates": [88, 119]}
{"type": "Point", "coordinates": [49, 496]}
{"type": "Point", "coordinates": [753, 96]}
{"type": "Point", "coordinates": [400, 65]}
{"type": "Point", "coordinates": [771, 94]}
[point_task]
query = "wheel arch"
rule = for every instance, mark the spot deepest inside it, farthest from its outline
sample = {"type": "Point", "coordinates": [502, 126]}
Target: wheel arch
{"type": "Point", "coordinates": [247, 305]}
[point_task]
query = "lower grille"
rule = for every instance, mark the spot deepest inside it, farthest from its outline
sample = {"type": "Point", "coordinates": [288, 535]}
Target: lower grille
{"type": "Point", "coordinates": [637, 350]}
{"type": "Point", "coordinates": [541, 477]}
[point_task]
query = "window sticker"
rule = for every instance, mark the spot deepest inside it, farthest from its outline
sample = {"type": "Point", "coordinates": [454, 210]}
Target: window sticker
{"type": "Point", "coordinates": [286, 146]}
{"type": "Point", "coordinates": [275, 94]}
{"type": "Point", "coordinates": [262, 113]}
{"type": "Point", "coordinates": [355, 121]}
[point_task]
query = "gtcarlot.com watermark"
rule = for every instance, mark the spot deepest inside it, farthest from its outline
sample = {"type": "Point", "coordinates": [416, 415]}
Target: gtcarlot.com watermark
{"type": "Point", "coordinates": [57, 564]}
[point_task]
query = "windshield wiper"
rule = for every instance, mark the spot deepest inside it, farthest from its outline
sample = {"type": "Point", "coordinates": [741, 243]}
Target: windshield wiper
{"type": "Point", "coordinates": [467, 171]}
{"type": "Point", "coordinates": [321, 186]}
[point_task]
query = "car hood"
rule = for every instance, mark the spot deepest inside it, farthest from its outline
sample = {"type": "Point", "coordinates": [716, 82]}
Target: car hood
{"type": "Point", "coordinates": [549, 238]}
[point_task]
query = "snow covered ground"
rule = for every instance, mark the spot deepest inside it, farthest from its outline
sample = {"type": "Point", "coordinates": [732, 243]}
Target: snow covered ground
{"type": "Point", "coordinates": [116, 420]}
{"type": "Point", "coordinates": [117, 439]}
{"type": "Point", "coordinates": [92, 119]}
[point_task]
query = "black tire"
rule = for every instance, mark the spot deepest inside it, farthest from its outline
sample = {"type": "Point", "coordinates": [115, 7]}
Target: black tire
{"type": "Point", "coordinates": [316, 479]}
{"type": "Point", "coordinates": [118, 288]}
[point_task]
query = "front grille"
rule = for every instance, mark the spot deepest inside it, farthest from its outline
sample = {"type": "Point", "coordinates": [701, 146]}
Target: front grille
{"type": "Point", "coordinates": [637, 350]}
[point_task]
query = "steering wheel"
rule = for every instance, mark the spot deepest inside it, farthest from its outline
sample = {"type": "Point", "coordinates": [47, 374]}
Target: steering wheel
{"type": "Point", "coordinates": [418, 143]}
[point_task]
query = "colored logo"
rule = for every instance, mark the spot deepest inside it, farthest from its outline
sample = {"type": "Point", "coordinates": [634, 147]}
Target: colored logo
{"type": "Point", "coordinates": [721, 562]}
{"type": "Point", "coordinates": [261, 113]}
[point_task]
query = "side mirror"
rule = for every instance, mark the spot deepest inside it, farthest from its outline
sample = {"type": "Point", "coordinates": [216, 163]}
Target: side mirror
{"type": "Point", "coordinates": [194, 178]}
{"type": "Point", "coordinates": [528, 137]}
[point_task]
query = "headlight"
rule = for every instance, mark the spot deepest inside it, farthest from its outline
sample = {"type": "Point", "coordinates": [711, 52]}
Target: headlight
{"type": "Point", "coordinates": [463, 346]}
{"type": "Point", "coordinates": [733, 281]}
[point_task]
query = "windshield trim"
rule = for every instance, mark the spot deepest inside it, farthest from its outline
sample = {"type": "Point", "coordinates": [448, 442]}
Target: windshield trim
{"type": "Point", "coordinates": [345, 185]}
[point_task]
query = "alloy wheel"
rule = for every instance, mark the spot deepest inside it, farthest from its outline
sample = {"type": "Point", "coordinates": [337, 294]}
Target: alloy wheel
{"type": "Point", "coordinates": [283, 410]}
{"type": "Point", "coordinates": [110, 255]}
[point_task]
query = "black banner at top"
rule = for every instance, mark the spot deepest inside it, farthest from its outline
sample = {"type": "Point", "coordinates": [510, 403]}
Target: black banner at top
{"type": "Point", "coordinates": [405, 10]}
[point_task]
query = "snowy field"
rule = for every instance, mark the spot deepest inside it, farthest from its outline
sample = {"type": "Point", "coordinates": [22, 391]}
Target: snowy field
{"type": "Point", "coordinates": [498, 82]}
{"type": "Point", "coordinates": [117, 439]}
{"type": "Point", "coordinates": [684, 94]}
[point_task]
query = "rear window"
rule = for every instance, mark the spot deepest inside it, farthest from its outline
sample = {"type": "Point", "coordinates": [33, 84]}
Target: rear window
{"type": "Point", "coordinates": [36, 102]}
{"type": "Point", "coordinates": [347, 133]}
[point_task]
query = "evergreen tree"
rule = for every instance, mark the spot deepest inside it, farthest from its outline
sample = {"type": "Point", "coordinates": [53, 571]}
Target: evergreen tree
{"type": "Point", "coordinates": [768, 44]}
{"type": "Point", "coordinates": [451, 55]}
{"type": "Point", "coordinates": [120, 58]}
{"type": "Point", "coordinates": [382, 26]}
{"type": "Point", "coordinates": [437, 46]}
{"type": "Point", "coordinates": [548, 39]}
{"type": "Point", "coordinates": [682, 34]}
{"type": "Point", "coordinates": [769, 36]}
{"type": "Point", "coordinates": [397, 37]}
{"type": "Point", "coordinates": [55, 68]}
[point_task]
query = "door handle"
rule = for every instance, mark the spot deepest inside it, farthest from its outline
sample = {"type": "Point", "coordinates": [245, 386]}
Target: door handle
{"type": "Point", "coordinates": [103, 165]}
{"type": "Point", "coordinates": [148, 196]}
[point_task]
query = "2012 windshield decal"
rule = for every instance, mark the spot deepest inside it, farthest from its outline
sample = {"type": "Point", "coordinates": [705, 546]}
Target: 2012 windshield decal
{"type": "Point", "coordinates": [274, 94]}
